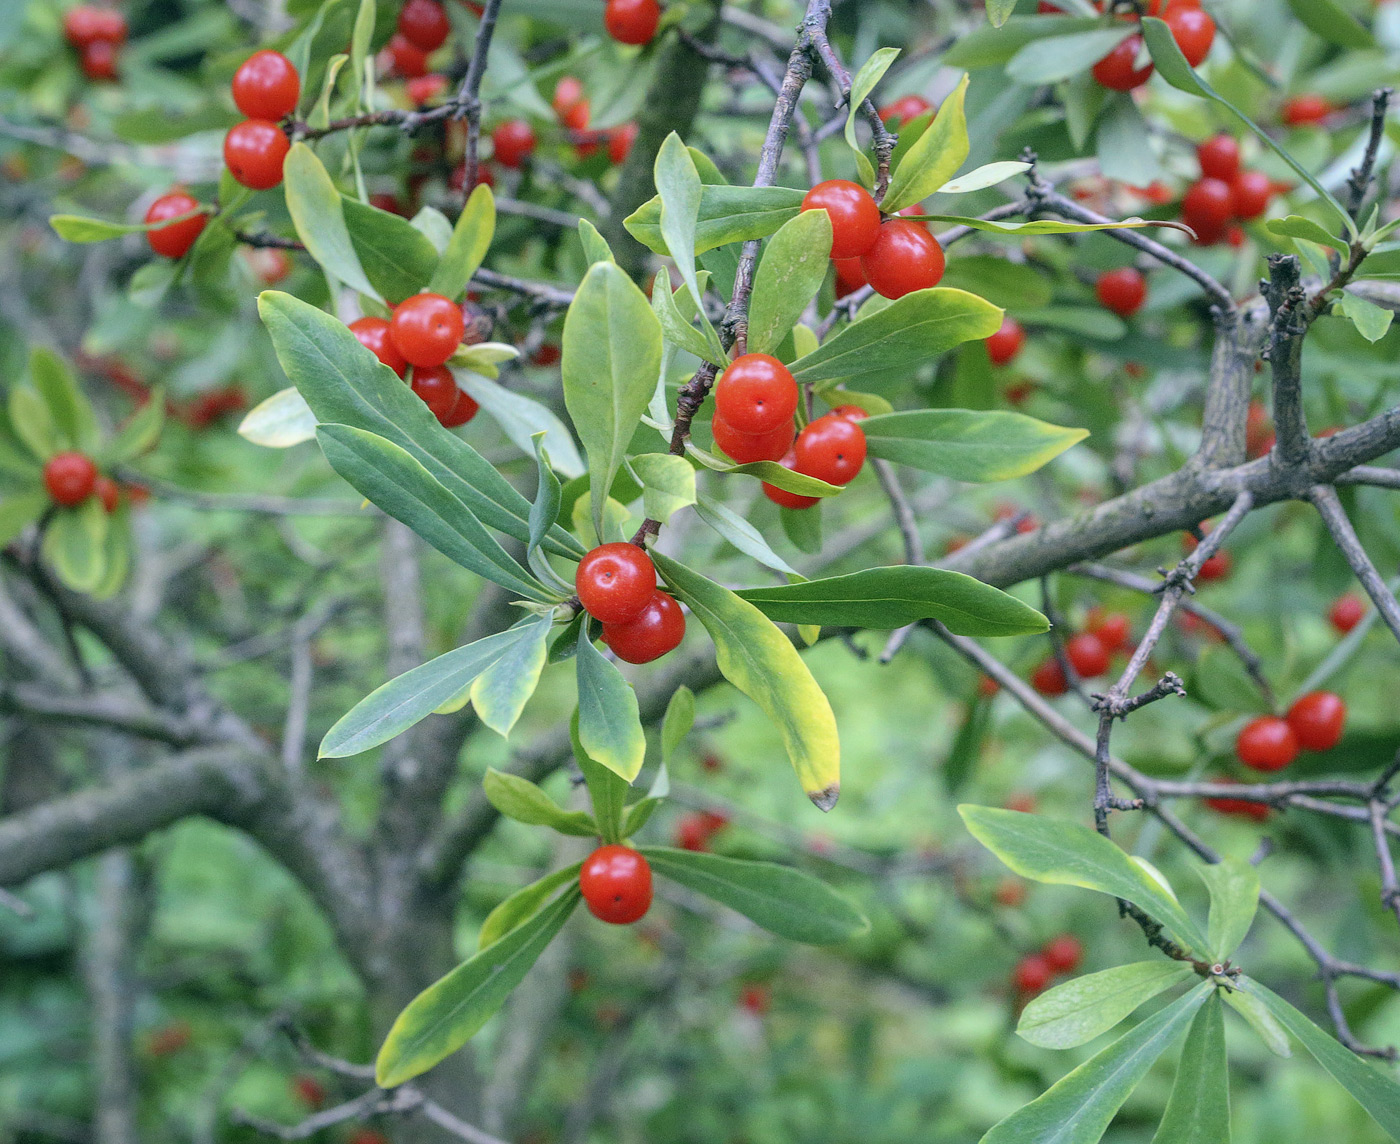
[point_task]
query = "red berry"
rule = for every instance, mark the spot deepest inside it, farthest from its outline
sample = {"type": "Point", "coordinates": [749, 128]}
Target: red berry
{"type": "Point", "coordinates": [782, 497]}
{"type": "Point", "coordinates": [1049, 678]}
{"type": "Point", "coordinates": [568, 94]}
{"type": "Point", "coordinates": [745, 447]}
{"type": "Point", "coordinates": [266, 86]}
{"type": "Point", "coordinates": [850, 276]}
{"type": "Point", "coordinates": [855, 219]}
{"type": "Point", "coordinates": [1266, 744]}
{"type": "Point", "coordinates": [427, 328]}
{"type": "Point", "coordinates": [422, 89]}
{"type": "Point", "coordinates": [269, 263]}
{"type": "Point", "coordinates": [1306, 108]}
{"type": "Point", "coordinates": [620, 140]}
{"type": "Point", "coordinates": [615, 582]}
{"type": "Point", "coordinates": [309, 1091]}
{"type": "Point", "coordinates": [108, 493]}
{"type": "Point", "coordinates": [905, 108]}
{"type": "Point", "coordinates": [575, 118]}
{"type": "Point", "coordinates": [1118, 71]}
{"type": "Point", "coordinates": [368, 1136]}
{"type": "Point", "coordinates": [1032, 974]}
{"type": "Point", "coordinates": [1219, 157]}
{"type": "Point", "coordinates": [1346, 612]}
{"type": "Point", "coordinates": [424, 24]}
{"type": "Point", "coordinates": [373, 334]}
{"type": "Point", "coordinates": [1208, 205]}
{"type": "Point", "coordinates": [1006, 343]}
{"type": "Point", "coordinates": [70, 478]}
{"type": "Point", "coordinates": [1317, 720]}
{"type": "Point", "coordinates": [1063, 953]}
{"type": "Point", "coordinates": [1258, 431]}
{"type": "Point", "coordinates": [1087, 655]}
{"type": "Point", "coordinates": [99, 60]}
{"type": "Point", "coordinates": [174, 240]}
{"type": "Point", "coordinates": [831, 448]}
{"type": "Point", "coordinates": [659, 628]}
{"type": "Point", "coordinates": [905, 258]}
{"type": "Point", "coordinates": [458, 179]}
{"type": "Point", "coordinates": [632, 21]}
{"type": "Point", "coordinates": [616, 884]}
{"type": "Point", "coordinates": [438, 389]}
{"type": "Point", "coordinates": [692, 833]}
{"type": "Point", "coordinates": [850, 412]}
{"type": "Point", "coordinates": [410, 61]}
{"type": "Point", "coordinates": [757, 999]}
{"type": "Point", "coordinates": [1010, 892]}
{"type": "Point", "coordinates": [756, 394]}
{"type": "Point", "coordinates": [253, 152]}
{"type": "Point", "coordinates": [169, 1039]}
{"type": "Point", "coordinates": [987, 687]}
{"type": "Point", "coordinates": [1111, 628]}
{"type": "Point", "coordinates": [514, 142]}
{"type": "Point", "coordinates": [87, 24]}
{"type": "Point", "coordinates": [1251, 191]}
{"type": "Point", "coordinates": [1123, 290]}
{"type": "Point", "coordinates": [1194, 32]}
{"type": "Point", "coordinates": [1243, 807]}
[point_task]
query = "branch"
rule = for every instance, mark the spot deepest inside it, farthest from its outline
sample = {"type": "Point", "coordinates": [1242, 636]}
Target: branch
{"type": "Point", "coordinates": [1329, 506]}
{"type": "Point", "coordinates": [1289, 324]}
{"type": "Point", "coordinates": [99, 709]}
{"type": "Point", "coordinates": [1361, 176]}
{"type": "Point", "coordinates": [468, 95]}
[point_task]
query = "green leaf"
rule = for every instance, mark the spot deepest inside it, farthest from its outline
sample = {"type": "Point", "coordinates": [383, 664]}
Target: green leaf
{"type": "Point", "coordinates": [141, 431]}
{"type": "Point", "coordinates": [522, 800]}
{"type": "Point", "coordinates": [668, 484]}
{"type": "Point", "coordinates": [792, 270]}
{"type": "Point", "coordinates": [392, 479]}
{"type": "Point", "coordinates": [862, 84]}
{"type": "Point", "coordinates": [677, 328]}
{"type": "Point", "coordinates": [72, 412]}
{"type": "Point", "coordinates": [762, 663]}
{"type": "Point", "coordinates": [346, 384]}
{"type": "Point", "coordinates": [884, 598]}
{"type": "Point", "coordinates": [1067, 854]}
{"type": "Point", "coordinates": [471, 239]}
{"type": "Point", "coordinates": [75, 228]}
{"type": "Point", "coordinates": [521, 418]}
{"type": "Point", "coordinates": [740, 533]}
{"type": "Point", "coordinates": [606, 787]}
{"type": "Point", "coordinates": [1234, 897]}
{"type": "Point", "coordinates": [1038, 226]}
{"type": "Point", "coordinates": [1078, 1108]}
{"type": "Point", "coordinates": [991, 47]}
{"type": "Point", "coordinates": [18, 511]}
{"type": "Point", "coordinates": [320, 115]}
{"type": "Point", "coordinates": [803, 528]}
{"type": "Point", "coordinates": [609, 725]}
{"type": "Point", "coordinates": [317, 213]}
{"type": "Point", "coordinates": [678, 184]}
{"type": "Point", "coordinates": [435, 227]}
{"type": "Point", "coordinates": [522, 905]}
{"type": "Point", "coordinates": [980, 178]}
{"type": "Point", "coordinates": [1199, 1109]}
{"type": "Point", "coordinates": [1332, 22]}
{"type": "Point", "coordinates": [934, 158]}
{"type": "Point", "coordinates": [1058, 57]}
{"type": "Point", "coordinates": [1261, 1021]}
{"type": "Point", "coordinates": [396, 256]}
{"type": "Point", "coordinates": [679, 719]}
{"type": "Point", "coordinates": [966, 444]}
{"type": "Point", "coordinates": [727, 214]}
{"type": "Point", "coordinates": [999, 10]}
{"type": "Point", "coordinates": [499, 693]}
{"type": "Point", "coordinates": [399, 704]}
{"type": "Point", "coordinates": [612, 355]}
{"type": "Point", "coordinates": [33, 422]}
{"type": "Point", "coordinates": [280, 421]}
{"type": "Point", "coordinates": [1299, 226]}
{"type": "Point", "coordinates": [1375, 1092]}
{"type": "Point", "coordinates": [904, 334]}
{"type": "Point", "coordinates": [1078, 1011]}
{"type": "Point", "coordinates": [544, 512]}
{"type": "Point", "coordinates": [595, 246]}
{"type": "Point", "coordinates": [782, 900]}
{"type": "Point", "coordinates": [1371, 321]}
{"type": "Point", "coordinates": [769, 471]}
{"type": "Point", "coordinates": [75, 545]}
{"type": "Point", "coordinates": [446, 1015]}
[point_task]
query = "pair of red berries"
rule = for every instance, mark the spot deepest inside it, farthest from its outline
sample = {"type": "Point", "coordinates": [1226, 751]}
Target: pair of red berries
{"type": "Point", "coordinates": [1192, 29]}
{"type": "Point", "coordinates": [72, 477]}
{"type": "Point", "coordinates": [98, 35]}
{"type": "Point", "coordinates": [1225, 192]}
{"type": "Point", "coordinates": [1123, 290]}
{"type": "Point", "coordinates": [572, 108]}
{"type": "Point", "coordinates": [1240, 807]}
{"type": "Point", "coordinates": [616, 884]}
{"type": "Point", "coordinates": [423, 332]}
{"type": "Point", "coordinates": [616, 584]}
{"type": "Point", "coordinates": [632, 21]}
{"type": "Point", "coordinates": [1035, 971]}
{"type": "Point", "coordinates": [694, 831]}
{"type": "Point", "coordinates": [1090, 652]}
{"type": "Point", "coordinates": [1314, 723]}
{"type": "Point", "coordinates": [265, 89]}
{"type": "Point", "coordinates": [896, 256]}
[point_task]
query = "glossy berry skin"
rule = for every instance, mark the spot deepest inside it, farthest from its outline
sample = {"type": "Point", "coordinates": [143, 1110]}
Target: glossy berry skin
{"type": "Point", "coordinates": [1346, 612]}
{"type": "Point", "coordinates": [423, 23]}
{"type": "Point", "coordinates": [1194, 32]}
{"type": "Point", "coordinates": [781, 497]}
{"type": "Point", "coordinates": [514, 142]}
{"type": "Point", "coordinates": [174, 240]}
{"type": "Point", "coordinates": [1305, 109]}
{"type": "Point", "coordinates": [905, 258]}
{"type": "Point", "coordinates": [743, 448]}
{"type": "Point", "coordinates": [70, 478]}
{"type": "Point", "coordinates": [850, 412]}
{"type": "Point", "coordinates": [108, 492]}
{"type": "Point", "coordinates": [905, 108]}
{"type": "Point", "coordinates": [266, 86]}
{"type": "Point", "coordinates": [427, 328]}
{"type": "Point", "coordinates": [615, 582]}
{"type": "Point", "coordinates": [1251, 191]}
{"type": "Point", "coordinates": [373, 334]}
{"type": "Point", "coordinates": [254, 151]}
{"type": "Point", "coordinates": [855, 219]}
{"type": "Point", "coordinates": [756, 394]}
{"type": "Point", "coordinates": [616, 884]}
{"type": "Point", "coordinates": [850, 276]}
{"type": "Point", "coordinates": [1049, 678]}
{"type": "Point", "coordinates": [1266, 744]}
{"type": "Point", "coordinates": [632, 21]}
{"type": "Point", "coordinates": [1208, 204]}
{"type": "Point", "coordinates": [1111, 628]}
{"type": "Point", "coordinates": [1006, 343]}
{"type": "Point", "coordinates": [659, 628]}
{"type": "Point", "coordinates": [440, 393]}
{"type": "Point", "coordinates": [1219, 157]}
{"type": "Point", "coordinates": [1032, 974]}
{"type": "Point", "coordinates": [87, 24]}
{"type": "Point", "coordinates": [1317, 720]}
{"type": "Point", "coordinates": [831, 449]}
{"type": "Point", "coordinates": [620, 140]}
{"type": "Point", "coordinates": [1118, 71]}
{"type": "Point", "coordinates": [1123, 290]}
{"type": "Point", "coordinates": [1063, 953]}
{"type": "Point", "coordinates": [410, 61]}
{"type": "Point", "coordinates": [1087, 655]}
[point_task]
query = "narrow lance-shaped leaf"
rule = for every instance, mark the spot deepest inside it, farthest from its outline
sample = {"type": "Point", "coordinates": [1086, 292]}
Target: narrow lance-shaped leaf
{"type": "Point", "coordinates": [606, 787]}
{"type": "Point", "coordinates": [768, 471]}
{"type": "Point", "coordinates": [316, 209]}
{"type": "Point", "coordinates": [740, 533]}
{"type": "Point", "coordinates": [1199, 1109]}
{"type": "Point", "coordinates": [524, 904]}
{"type": "Point", "coordinates": [76, 228]}
{"type": "Point", "coordinates": [680, 717]}
{"type": "Point", "coordinates": [935, 158]}
{"type": "Point", "coordinates": [544, 512]}
{"type": "Point", "coordinates": [1234, 897]}
{"type": "Point", "coordinates": [862, 84]}
{"type": "Point", "coordinates": [1040, 225]}
{"type": "Point", "coordinates": [280, 421]}
{"type": "Point", "coordinates": [521, 417]}
{"type": "Point", "coordinates": [395, 255]}
{"type": "Point", "coordinates": [668, 484]}
{"type": "Point", "coordinates": [499, 693]}
{"type": "Point", "coordinates": [1080, 1010]}
{"type": "Point", "coordinates": [72, 412]}
{"type": "Point", "coordinates": [678, 183]}
{"type": "Point", "coordinates": [609, 725]}
{"type": "Point", "coordinates": [471, 239]}
{"type": "Point", "coordinates": [966, 444]}
{"type": "Point", "coordinates": [520, 799]}
{"type": "Point", "coordinates": [727, 214]}
{"type": "Point", "coordinates": [792, 270]}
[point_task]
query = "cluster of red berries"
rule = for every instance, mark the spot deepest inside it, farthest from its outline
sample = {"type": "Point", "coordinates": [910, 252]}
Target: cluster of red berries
{"type": "Point", "coordinates": [1123, 290]}
{"type": "Point", "coordinates": [616, 584]}
{"type": "Point", "coordinates": [1225, 193]}
{"type": "Point", "coordinates": [1192, 29]}
{"type": "Point", "coordinates": [1314, 723]}
{"type": "Point", "coordinates": [695, 830]}
{"type": "Point", "coordinates": [423, 332]}
{"type": "Point", "coordinates": [98, 35]}
{"type": "Point", "coordinates": [1217, 566]}
{"type": "Point", "coordinates": [616, 884]}
{"type": "Point", "coordinates": [1090, 652]}
{"type": "Point", "coordinates": [72, 477]}
{"type": "Point", "coordinates": [573, 109]}
{"type": "Point", "coordinates": [1036, 970]}
{"type": "Point", "coordinates": [894, 256]}
{"type": "Point", "coordinates": [265, 89]}
{"type": "Point", "coordinates": [632, 21]}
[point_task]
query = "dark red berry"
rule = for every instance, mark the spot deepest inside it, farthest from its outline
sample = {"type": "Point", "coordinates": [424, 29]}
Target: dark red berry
{"type": "Point", "coordinates": [409, 60]}
{"type": "Point", "coordinates": [1063, 953]}
{"type": "Point", "coordinates": [1049, 678]}
{"type": "Point", "coordinates": [1032, 974]}
{"type": "Point", "coordinates": [424, 24]}
{"type": "Point", "coordinates": [659, 628]}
